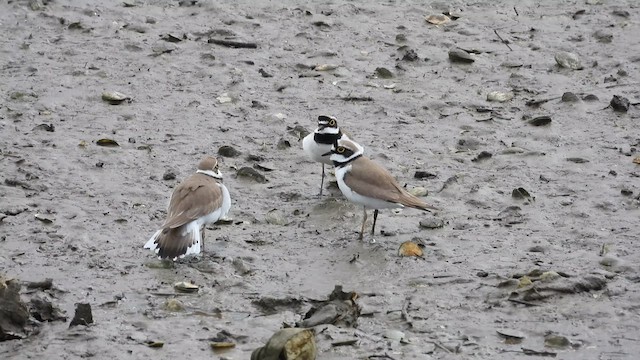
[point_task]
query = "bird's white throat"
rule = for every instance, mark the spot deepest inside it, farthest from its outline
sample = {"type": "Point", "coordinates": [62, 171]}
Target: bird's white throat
{"type": "Point", "coordinates": [213, 174]}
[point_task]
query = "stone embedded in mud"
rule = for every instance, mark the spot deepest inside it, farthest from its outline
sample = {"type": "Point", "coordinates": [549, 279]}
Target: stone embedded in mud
{"type": "Point", "coordinates": [570, 97]}
{"type": "Point", "coordinates": [520, 193]}
{"type": "Point", "coordinates": [540, 121]}
{"type": "Point", "coordinates": [288, 344]}
{"type": "Point", "coordinates": [420, 174]}
{"type": "Point", "coordinates": [43, 310]}
{"type": "Point", "coordinates": [173, 305]}
{"type": "Point", "coordinates": [169, 175]}
{"type": "Point", "coordinates": [82, 316]}
{"type": "Point", "coordinates": [383, 73]}
{"type": "Point", "coordinates": [250, 173]}
{"type": "Point", "coordinates": [619, 103]}
{"type": "Point", "coordinates": [437, 19]}
{"type": "Point", "coordinates": [556, 341]}
{"type": "Point", "coordinates": [431, 223]}
{"type": "Point", "coordinates": [13, 312]}
{"type": "Point", "coordinates": [114, 97]}
{"type": "Point", "coordinates": [568, 60]}
{"type": "Point", "coordinates": [228, 151]}
{"type": "Point", "coordinates": [275, 217]}
{"type": "Point", "coordinates": [460, 56]}
{"type": "Point", "coordinates": [499, 96]}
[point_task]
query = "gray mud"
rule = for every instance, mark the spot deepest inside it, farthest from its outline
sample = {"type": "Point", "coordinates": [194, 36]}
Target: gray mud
{"type": "Point", "coordinates": [103, 203]}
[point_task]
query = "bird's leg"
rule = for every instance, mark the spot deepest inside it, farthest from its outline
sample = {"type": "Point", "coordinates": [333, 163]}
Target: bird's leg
{"type": "Point", "coordinates": [202, 239]}
{"type": "Point", "coordinates": [375, 217]}
{"type": "Point", "coordinates": [364, 220]}
{"type": "Point", "coordinates": [322, 180]}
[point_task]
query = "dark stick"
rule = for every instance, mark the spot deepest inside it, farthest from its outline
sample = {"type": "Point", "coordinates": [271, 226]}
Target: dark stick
{"type": "Point", "coordinates": [233, 44]}
{"type": "Point", "coordinates": [516, 10]}
{"type": "Point", "coordinates": [501, 39]}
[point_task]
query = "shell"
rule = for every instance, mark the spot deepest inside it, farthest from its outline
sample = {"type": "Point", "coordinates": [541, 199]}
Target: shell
{"type": "Point", "coordinates": [438, 19]}
{"type": "Point", "coordinates": [114, 97]}
{"type": "Point", "coordinates": [409, 248]}
{"type": "Point", "coordinates": [186, 287]}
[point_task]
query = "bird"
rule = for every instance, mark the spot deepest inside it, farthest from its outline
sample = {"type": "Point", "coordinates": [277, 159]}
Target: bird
{"type": "Point", "coordinates": [319, 142]}
{"type": "Point", "coordinates": [367, 183]}
{"type": "Point", "coordinates": [198, 200]}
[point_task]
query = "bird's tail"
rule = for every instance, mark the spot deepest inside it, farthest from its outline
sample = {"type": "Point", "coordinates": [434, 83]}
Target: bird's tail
{"type": "Point", "coordinates": [174, 243]}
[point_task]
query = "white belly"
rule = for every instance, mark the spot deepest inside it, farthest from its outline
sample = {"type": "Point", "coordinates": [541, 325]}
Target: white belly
{"type": "Point", "coordinates": [314, 150]}
{"type": "Point", "coordinates": [353, 196]}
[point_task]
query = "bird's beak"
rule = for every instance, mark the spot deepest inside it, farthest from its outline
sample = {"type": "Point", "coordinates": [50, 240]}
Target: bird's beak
{"type": "Point", "coordinates": [327, 153]}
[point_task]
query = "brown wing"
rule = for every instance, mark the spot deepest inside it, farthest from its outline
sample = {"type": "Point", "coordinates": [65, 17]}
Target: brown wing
{"type": "Point", "coordinates": [370, 179]}
{"type": "Point", "coordinates": [197, 196]}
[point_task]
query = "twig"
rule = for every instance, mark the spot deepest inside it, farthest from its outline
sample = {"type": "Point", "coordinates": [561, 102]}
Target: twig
{"type": "Point", "coordinates": [357, 98]}
{"type": "Point", "coordinates": [516, 10]}
{"type": "Point", "coordinates": [440, 346]}
{"type": "Point", "coordinates": [501, 39]}
{"type": "Point", "coordinates": [233, 44]}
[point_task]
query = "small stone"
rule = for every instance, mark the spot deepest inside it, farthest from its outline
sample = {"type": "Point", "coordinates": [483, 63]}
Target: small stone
{"type": "Point", "coordinates": [228, 151]}
{"type": "Point", "coordinates": [276, 217]}
{"type": "Point", "coordinates": [603, 36]}
{"type": "Point", "coordinates": [251, 174]}
{"type": "Point", "coordinates": [520, 193]}
{"type": "Point", "coordinates": [431, 223]}
{"type": "Point", "coordinates": [460, 56]}
{"type": "Point", "coordinates": [537, 249]}
{"type": "Point", "coordinates": [418, 191]}
{"type": "Point", "coordinates": [619, 103]}
{"type": "Point", "coordinates": [401, 38]}
{"type": "Point", "coordinates": [394, 335]}
{"type": "Point", "coordinates": [556, 341]}
{"type": "Point", "coordinates": [621, 13]}
{"type": "Point", "coordinates": [45, 127]}
{"type": "Point", "coordinates": [570, 97]}
{"type": "Point", "coordinates": [590, 97]}
{"type": "Point", "coordinates": [169, 175]}
{"type": "Point", "coordinates": [499, 96]}
{"type": "Point", "coordinates": [540, 121]}
{"type": "Point", "coordinates": [82, 315]}
{"type": "Point", "coordinates": [568, 60]}
{"type": "Point", "coordinates": [626, 192]}
{"type": "Point", "coordinates": [420, 174]}
{"type": "Point", "coordinates": [383, 73]}
{"type": "Point", "coordinates": [482, 274]}
{"type": "Point", "coordinates": [264, 73]}
{"type": "Point", "coordinates": [173, 305]}
{"type": "Point", "coordinates": [482, 156]}
{"type": "Point", "coordinates": [224, 99]}
{"type": "Point", "coordinates": [577, 160]}
{"type": "Point", "coordinates": [410, 55]}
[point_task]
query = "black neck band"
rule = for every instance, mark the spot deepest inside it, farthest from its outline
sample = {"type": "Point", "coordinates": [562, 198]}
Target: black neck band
{"type": "Point", "coordinates": [327, 139]}
{"type": "Point", "coordinates": [340, 164]}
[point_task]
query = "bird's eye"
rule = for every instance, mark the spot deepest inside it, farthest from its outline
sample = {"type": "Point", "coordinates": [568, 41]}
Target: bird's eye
{"type": "Point", "coordinates": [340, 149]}
{"type": "Point", "coordinates": [332, 123]}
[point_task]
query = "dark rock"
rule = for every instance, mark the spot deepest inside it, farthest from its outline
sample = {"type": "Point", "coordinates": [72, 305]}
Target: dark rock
{"type": "Point", "coordinates": [626, 192]}
{"type": "Point", "coordinates": [590, 97]}
{"type": "Point", "coordinates": [621, 13]}
{"type": "Point", "coordinates": [424, 175]}
{"type": "Point", "coordinates": [13, 312]}
{"type": "Point", "coordinates": [610, 79]}
{"type": "Point", "coordinates": [482, 274]}
{"type": "Point", "coordinates": [43, 310]}
{"type": "Point", "coordinates": [45, 127]}
{"type": "Point", "coordinates": [577, 160]}
{"type": "Point", "coordinates": [83, 315]}
{"type": "Point", "coordinates": [540, 121]}
{"type": "Point", "coordinates": [264, 73]}
{"type": "Point", "coordinates": [568, 60]}
{"type": "Point", "coordinates": [383, 73]}
{"type": "Point", "coordinates": [283, 144]}
{"type": "Point", "coordinates": [460, 56]}
{"type": "Point", "coordinates": [257, 104]}
{"type": "Point", "coordinates": [252, 174]}
{"type": "Point", "coordinates": [520, 193]}
{"type": "Point", "coordinates": [169, 175]}
{"type": "Point", "coordinates": [228, 151]}
{"type": "Point", "coordinates": [619, 103]}
{"type": "Point", "coordinates": [603, 36]}
{"type": "Point", "coordinates": [410, 55]}
{"type": "Point", "coordinates": [482, 156]}
{"type": "Point", "coordinates": [570, 97]}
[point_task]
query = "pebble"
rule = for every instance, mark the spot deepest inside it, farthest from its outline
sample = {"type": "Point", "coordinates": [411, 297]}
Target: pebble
{"type": "Point", "coordinates": [603, 36]}
{"type": "Point", "coordinates": [590, 97]}
{"type": "Point", "coordinates": [460, 56]}
{"type": "Point", "coordinates": [275, 217]}
{"type": "Point", "coordinates": [383, 73]}
{"type": "Point", "coordinates": [569, 60]}
{"type": "Point", "coordinates": [499, 96]}
{"type": "Point", "coordinates": [228, 151]}
{"type": "Point", "coordinates": [619, 103]}
{"type": "Point", "coordinates": [169, 175]}
{"type": "Point", "coordinates": [418, 191]}
{"type": "Point", "coordinates": [540, 121]}
{"type": "Point", "coordinates": [483, 155]}
{"type": "Point", "coordinates": [394, 335]}
{"type": "Point", "coordinates": [570, 97]}
{"type": "Point", "coordinates": [252, 174]}
{"type": "Point", "coordinates": [431, 223]}
{"type": "Point", "coordinates": [420, 174]}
